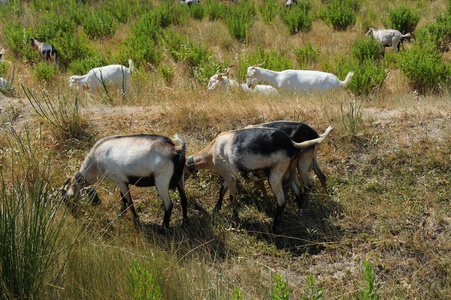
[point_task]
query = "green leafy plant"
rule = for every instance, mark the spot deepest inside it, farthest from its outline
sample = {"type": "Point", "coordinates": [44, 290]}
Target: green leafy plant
{"type": "Point", "coordinates": [215, 10]}
{"type": "Point", "coordinates": [167, 72]}
{"type": "Point", "coordinates": [44, 71]}
{"type": "Point", "coordinates": [341, 14]}
{"type": "Point", "coordinates": [99, 23]}
{"type": "Point", "coordinates": [142, 284]}
{"type": "Point", "coordinates": [314, 293]}
{"type": "Point", "coordinates": [438, 33]}
{"type": "Point", "coordinates": [403, 19]}
{"type": "Point", "coordinates": [237, 294]}
{"type": "Point", "coordinates": [366, 49]}
{"type": "Point", "coordinates": [371, 291]}
{"type": "Point", "coordinates": [352, 118]}
{"type": "Point", "coordinates": [268, 11]}
{"type": "Point", "coordinates": [239, 19]}
{"type": "Point", "coordinates": [280, 289]}
{"type": "Point", "coordinates": [298, 18]}
{"type": "Point", "coordinates": [306, 54]}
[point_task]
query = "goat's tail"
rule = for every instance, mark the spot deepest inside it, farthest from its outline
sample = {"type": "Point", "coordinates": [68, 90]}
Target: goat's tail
{"type": "Point", "coordinates": [131, 65]}
{"type": "Point", "coordinates": [178, 138]}
{"type": "Point", "coordinates": [314, 142]}
{"type": "Point", "coordinates": [348, 79]}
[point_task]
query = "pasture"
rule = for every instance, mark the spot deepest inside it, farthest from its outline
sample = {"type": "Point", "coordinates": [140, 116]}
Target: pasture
{"type": "Point", "coordinates": [382, 232]}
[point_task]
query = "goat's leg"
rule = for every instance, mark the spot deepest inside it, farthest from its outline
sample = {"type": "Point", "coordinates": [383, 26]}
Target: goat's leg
{"type": "Point", "coordinates": [127, 202]}
{"type": "Point", "coordinates": [275, 181]}
{"type": "Point", "coordinates": [183, 200]}
{"type": "Point", "coordinates": [222, 192]}
{"type": "Point", "coordinates": [322, 178]}
{"type": "Point", "coordinates": [231, 184]}
{"type": "Point", "coordinates": [162, 184]}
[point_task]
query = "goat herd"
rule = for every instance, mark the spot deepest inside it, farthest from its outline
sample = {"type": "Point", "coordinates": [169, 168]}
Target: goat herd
{"type": "Point", "coordinates": [272, 151]}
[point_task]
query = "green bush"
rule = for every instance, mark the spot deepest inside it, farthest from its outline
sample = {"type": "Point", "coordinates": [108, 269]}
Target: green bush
{"type": "Point", "coordinates": [99, 23]}
{"type": "Point", "coordinates": [170, 13]}
{"type": "Point", "coordinates": [438, 33]}
{"type": "Point", "coordinates": [83, 64]}
{"type": "Point", "coordinates": [297, 18]}
{"type": "Point", "coordinates": [423, 66]}
{"type": "Point", "coordinates": [366, 49]}
{"type": "Point", "coordinates": [73, 47]}
{"type": "Point", "coordinates": [280, 289]}
{"type": "Point", "coordinates": [239, 19]}
{"type": "Point", "coordinates": [197, 12]}
{"type": "Point", "coordinates": [44, 72]}
{"type": "Point", "coordinates": [142, 284]}
{"type": "Point", "coordinates": [215, 10]}
{"type": "Point", "coordinates": [341, 14]}
{"type": "Point", "coordinates": [306, 54]}
{"type": "Point", "coordinates": [17, 40]}
{"type": "Point", "coordinates": [268, 11]}
{"type": "Point", "coordinates": [403, 19]}
{"type": "Point", "coordinates": [167, 72]}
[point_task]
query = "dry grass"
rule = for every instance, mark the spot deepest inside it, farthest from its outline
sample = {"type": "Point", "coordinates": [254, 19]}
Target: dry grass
{"type": "Point", "coordinates": [389, 185]}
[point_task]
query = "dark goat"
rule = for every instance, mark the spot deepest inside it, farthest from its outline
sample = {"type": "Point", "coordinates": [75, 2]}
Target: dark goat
{"type": "Point", "coordinates": [46, 51]}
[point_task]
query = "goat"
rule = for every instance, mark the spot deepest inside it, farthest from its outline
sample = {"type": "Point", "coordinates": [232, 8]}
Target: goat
{"type": "Point", "coordinates": [307, 159]}
{"type": "Point", "coordinates": [189, 2]}
{"type": "Point", "coordinates": [296, 81]}
{"type": "Point", "coordinates": [263, 151]}
{"type": "Point", "coordinates": [46, 51]}
{"type": "Point", "coordinates": [141, 160]}
{"type": "Point", "coordinates": [289, 3]}
{"type": "Point", "coordinates": [116, 75]}
{"type": "Point", "coordinates": [388, 37]}
{"type": "Point", "coordinates": [221, 81]}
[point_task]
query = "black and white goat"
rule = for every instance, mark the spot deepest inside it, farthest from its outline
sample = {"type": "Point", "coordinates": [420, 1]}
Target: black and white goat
{"type": "Point", "coordinates": [259, 150]}
{"type": "Point", "coordinates": [306, 161]}
{"type": "Point", "coordinates": [141, 160]}
{"type": "Point", "coordinates": [46, 51]}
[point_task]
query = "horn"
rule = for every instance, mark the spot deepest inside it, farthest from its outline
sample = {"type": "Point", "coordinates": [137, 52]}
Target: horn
{"type": "Point", "coordinates": [228, 70]}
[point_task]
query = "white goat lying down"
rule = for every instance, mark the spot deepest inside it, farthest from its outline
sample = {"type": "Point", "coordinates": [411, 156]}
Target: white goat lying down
{"type": "Point", "coordinates": [388, 37]}
{"type": "Point", "coordinates": [253, 151]}
{"type": "Point", "coordinates": [141, 160]}
{"type": "Point", "coordinates": [296, 81]}
{"type": "Point", "coordinates": [306, 161]}
{"type": "Point", "coordinates": [115, 75]}
{"type": "Point", "coordinates": [222, 82]}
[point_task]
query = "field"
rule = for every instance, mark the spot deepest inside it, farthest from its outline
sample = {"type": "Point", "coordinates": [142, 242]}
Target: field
{"type": "Point", "coordinates": [382, 232]}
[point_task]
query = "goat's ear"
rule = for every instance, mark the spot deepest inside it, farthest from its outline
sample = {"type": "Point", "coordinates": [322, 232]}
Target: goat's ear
{"type": "Point", "coordinates": [219, 77]}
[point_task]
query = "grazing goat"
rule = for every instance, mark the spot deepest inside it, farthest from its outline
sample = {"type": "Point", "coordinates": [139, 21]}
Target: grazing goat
{"type": "Point", "coordinates": [307, 159]}
{"type": "Point", "coordinates": [141, 160]}
{"type": "Point", "coordinates": [46, 51]}
{"type": "Point", "coordinates": [290, 2]}
{"type": "Point", "coordinates": [221, 81]}
{"type": "Point", "coordinates": [116, 75]}
{"type": "Point", "coordinates": [261, 151]}
{"type": "Point", "coordinates": [189, 2]}
{"type": "Point", "coordinates": [388, 37]}
{"type": "Point", "coordinates": [296, 81]}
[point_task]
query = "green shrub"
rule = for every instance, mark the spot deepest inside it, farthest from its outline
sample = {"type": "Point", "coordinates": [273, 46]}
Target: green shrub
{"type": "Point", "coordinates": [239, 19]}
{"type": "Point", "coordinates": [167, 72]}
{"type": "Point", "coordinates": [340, 14]}
{"type": "Point", "coordinates": [197, 12]}
{"type": "Point", "coordinates": [43, 71]}
{"type": "Point", "coordinates": [438, 33]}
{"type": "Point", "coordinates": [297, 18]}
{"type": "Point", "coordinates": [371, 291]}
{"type": "Point", "coordinates": [403, 19]}
{"type": "Point", "coordinates": [142, 284]}
{"type": "Point", "coordinates": [314, 293]}
{"type": "Point", "coordinates": [306, 54]}
{"type": "Point", "coordinates": [280, 289]}
{"type": "Point", "coordinates": [84, 64]}
{"type": "Point", "coordinates": [17, 40]}
{"type": "Point", "coordinates": [423, 65]}
{"type": "Point", "coordinates": [73, 47]}
{"type": "Point", "coordinates": [215, 10]}
{"type": "Point", "coordinates": [170, 13]}
{"type": "Point", "coordinates": [268, 11]}
{"type": "Point", "coordinates": [366, 49]}
{"type": "Point", "coordinates": [99, 23]}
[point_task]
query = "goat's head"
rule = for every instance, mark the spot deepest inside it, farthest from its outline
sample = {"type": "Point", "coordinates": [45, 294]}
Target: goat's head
{"type": "Point", "coordinates": [219, 80]}
{"type": "Point", "coordinates": [251, 79]}
{"type": "Point", "coordinates": [70, 190]}
{"type": "Point", "coordinates": [34, 43]}
{"type": "Point", "coordinates": [73, 82]}
{"type": "Point", "coordinates": [371, 31]}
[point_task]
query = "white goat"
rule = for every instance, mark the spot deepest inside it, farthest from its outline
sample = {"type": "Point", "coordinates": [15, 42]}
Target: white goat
{"type": "Point", "coordinates": [116, 75]}
{"type": "Point", "coordinates": [222, 82]}
{"type": "Point", "coordinates": [141, 160]}
{"type": "Point", "coordinates": [290, 2]}
{"type": "Point", "coordinates": [189, 2]}
{"type": "Point", "coordinates": [259, 150]}
{"type": "Point", "coordinates": [388, 37]}
{"type": "Point", "coordinates": [296, 81]}
{"type": "Point", "coordinates": [47, 52]}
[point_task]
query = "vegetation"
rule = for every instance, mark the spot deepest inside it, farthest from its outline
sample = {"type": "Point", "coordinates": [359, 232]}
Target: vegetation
{"type": "Point", "coordinates": [381, 232]}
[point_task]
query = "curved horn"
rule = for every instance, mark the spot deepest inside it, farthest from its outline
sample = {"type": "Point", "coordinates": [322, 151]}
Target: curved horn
{"type": "Point", "coordinates": [228, 70]}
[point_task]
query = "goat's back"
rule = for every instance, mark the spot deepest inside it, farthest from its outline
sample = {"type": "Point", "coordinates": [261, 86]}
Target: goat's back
{"type": "Point", "coordinates": [297, 131]}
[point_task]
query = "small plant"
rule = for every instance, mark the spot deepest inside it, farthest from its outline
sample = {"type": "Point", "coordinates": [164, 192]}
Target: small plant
{"type": "Point", "coordinates": [215, 10]}
{"type": "Point", "coordinates": [197, 12]}
{"type": "Point", "coordinates": [352, 119]}
{"type": "Point", "coordinates": [239, 20]}
{"type": "Point", "coordinates": [44, 72]}
{"type": "Point", "coordinates": [167, 72]}
{"type": "Point", "coordinates": [306, 54]}
{"type": "Point", "coordinates": [403, 19]}
{"type": "Point", "coordinates": [366, 49]}
{"type": "Point", "coordinates": [371, 291]}
{"type": "Point", "coordinates": [314, 293]}
{"type": "Point", "coordinates": [340, 14]}
{"type": "Point", "coordinates": [280, 289]}
{"type": "Point", "coordinates": [268, 11]}
{"type": "Point", "coordinates": [297, 18]}
{"type": "Point", "coordinates": [237, 294]}
{"type": "Point", "coordinates": [99, 23]}
{"type": "Point", "coordinates": [142, 284]}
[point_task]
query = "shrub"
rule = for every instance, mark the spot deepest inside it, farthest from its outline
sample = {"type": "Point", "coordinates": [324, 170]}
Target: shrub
{"type": "Point", "coordinates": [197, 12]}
{"type": "Point", "coordinates": [17, 40]}
{"type": "Point", "coordinates": [73, 47]}
{"type": "Point", "coordinates": [297, 18]}
{"type": "Point", "coordinates": [239, 19]}
{"type": "Point", "coordinates": [268, 11]}
{"type": "Point", "coordinates": [280, 289]}
{"type": "Point", "coordinates": [371, 291]}
{"type": "Point", "coordinates": [215, 10]}
{"type": "Point", "coordinates": [98, 23]}
{"type": "Point", "coordinates": [142, 284]}
{"type": "Point", "coordinates": [423, 65]}
{"type": "Point", "coordinates": [167, 72]}
{"type": "Point", "coordinates": [366, 49]}
{"type": "Point", "coordinates": [438, 33]}
{"type": "Point", "coordinates": [306, 54]}
{"type": "Point", "coordinates": [84, 64]}
{"type": "Point", "coordinates": [43, 71]}
{"type": "Point", "coordinates": [340, 14]}
{"type": "Point", "coordinates": [403, 19]}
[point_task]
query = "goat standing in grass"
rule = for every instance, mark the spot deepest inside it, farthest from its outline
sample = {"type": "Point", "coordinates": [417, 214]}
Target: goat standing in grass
{"type": "Point", "coordinates": [296, 81]}
{"type": "Point", "coordinates": [388, 37]}
{"type": "Point", "coordinates": [141, 160]}
{"type": "Point", "coordinates": [114, 75]}
{"type": "Point", "coordinates": [253, 151]}
{"type": "Point", "coordinates": [46, 51]}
